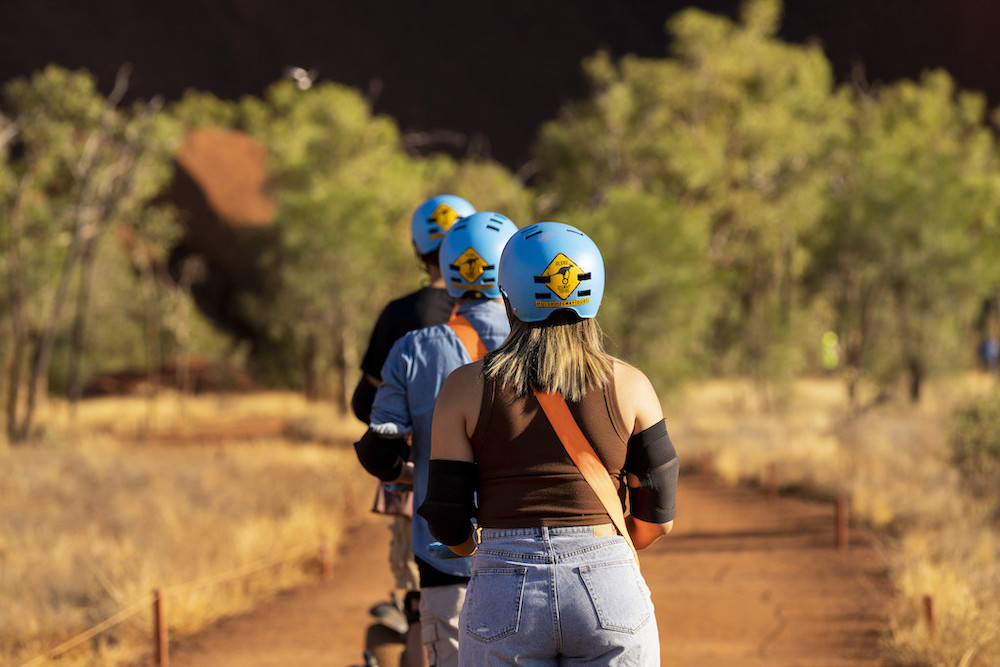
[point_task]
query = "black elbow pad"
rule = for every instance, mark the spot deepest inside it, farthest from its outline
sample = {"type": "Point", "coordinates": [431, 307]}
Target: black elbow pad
{"type": "Point", "coordinates": [363, 398]}
{"type": "Point", "coordinates": [652, 458]}
{"type": "Point", "coordinates": [382, 456]}
{"type": "Point", "coordinates": [450, 503]}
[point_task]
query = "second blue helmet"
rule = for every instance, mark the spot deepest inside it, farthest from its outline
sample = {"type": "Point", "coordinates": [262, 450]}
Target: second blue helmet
{"type": "Point", "coordinates": [551, 266]}
{"type": "Point", "coordinates": [435, 217]}
{"type": "Point", "coordinates": [470, 253]}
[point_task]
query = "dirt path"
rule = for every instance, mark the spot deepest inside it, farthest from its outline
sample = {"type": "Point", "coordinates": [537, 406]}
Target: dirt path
{"type": "Point", "coordinates": [741, 581]}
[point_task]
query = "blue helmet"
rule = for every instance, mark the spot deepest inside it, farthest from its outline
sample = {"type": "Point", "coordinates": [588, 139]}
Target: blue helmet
{"type": "Point", "coordinates": [470, 252]}
{"type": "Point", "coordinates": [435, 217]}
{"type": "Point", "coordinates": [551, 266]}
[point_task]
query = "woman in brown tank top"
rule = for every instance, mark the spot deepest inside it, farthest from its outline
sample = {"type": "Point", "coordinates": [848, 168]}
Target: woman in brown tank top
{"type": "Point", "coordinates": [552, 577]}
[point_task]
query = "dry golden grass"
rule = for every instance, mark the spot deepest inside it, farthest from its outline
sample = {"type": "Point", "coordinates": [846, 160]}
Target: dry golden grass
{"type": "Point", "coordinates": [892, 461]}
{"type": "Point", "coordinates": [132, 496]}
{"type": "Point", "coordinates": [91, 523]}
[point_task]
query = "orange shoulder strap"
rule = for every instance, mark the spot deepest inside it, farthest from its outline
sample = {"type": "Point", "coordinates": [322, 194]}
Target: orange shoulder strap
{"type": "Point", "coordinates": [468, 335]}
{"type": "Point", "coordinates": [583, 455]}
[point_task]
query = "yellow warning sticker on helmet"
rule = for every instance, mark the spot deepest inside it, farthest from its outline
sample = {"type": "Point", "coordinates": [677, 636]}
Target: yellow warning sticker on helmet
{"type": "Point", "coordinates": [562, 276]}
{"type": "Point", "coordinates": [444, 216]}
{"type": "Point", "coordinates": [470, 265]}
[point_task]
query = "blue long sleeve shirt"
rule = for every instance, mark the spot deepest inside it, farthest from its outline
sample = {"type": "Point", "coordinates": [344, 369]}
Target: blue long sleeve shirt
{"type": "Point", "coordinates": [412, 377]}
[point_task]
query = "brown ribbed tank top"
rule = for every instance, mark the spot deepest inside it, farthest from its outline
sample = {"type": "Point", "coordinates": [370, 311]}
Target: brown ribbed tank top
{"type": "Point", "coordinates": [526, 478]}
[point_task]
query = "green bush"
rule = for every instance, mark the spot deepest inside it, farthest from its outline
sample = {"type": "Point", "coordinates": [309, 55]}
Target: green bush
{"type": "Point", "coordinates": [975, 445]}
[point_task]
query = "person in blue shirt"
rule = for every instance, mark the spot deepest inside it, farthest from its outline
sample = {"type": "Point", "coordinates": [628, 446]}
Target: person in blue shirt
{"type": "Point", "coordinates": [424, 307]}
{"type": "Point", "coordinates": [412, 376]}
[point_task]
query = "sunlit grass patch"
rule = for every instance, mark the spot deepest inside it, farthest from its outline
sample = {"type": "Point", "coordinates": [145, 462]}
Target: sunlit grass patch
{"type": "Point", "coordinates": [892, 461]}
{"type": "Point", "coordinates": [90, 526]}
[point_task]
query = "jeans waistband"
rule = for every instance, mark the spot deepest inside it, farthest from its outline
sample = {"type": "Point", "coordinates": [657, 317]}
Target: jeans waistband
{"type": "Point", "coordinates": [599, 530]}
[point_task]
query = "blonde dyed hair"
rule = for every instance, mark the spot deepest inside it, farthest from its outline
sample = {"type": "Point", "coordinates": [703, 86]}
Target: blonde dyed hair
{"type": "Point", "coordinates": [560, 354]}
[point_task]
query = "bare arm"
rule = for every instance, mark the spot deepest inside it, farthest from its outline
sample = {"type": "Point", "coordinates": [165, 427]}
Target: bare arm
{"type": "Point", "coordinates": [455, 415]}
{"type": "Point", "coordinates": [637, 399]}
{"type": "Point", "coordinates": [644, 533]}
{"type": "Point", "coordinates": [640, 408]}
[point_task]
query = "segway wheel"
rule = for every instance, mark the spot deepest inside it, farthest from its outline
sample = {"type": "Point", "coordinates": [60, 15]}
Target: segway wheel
{"type": "Point", "coordinates": [384, 645]}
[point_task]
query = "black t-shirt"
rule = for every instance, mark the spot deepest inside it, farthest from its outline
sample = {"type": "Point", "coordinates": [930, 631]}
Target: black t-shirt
{"type": "Point", "coordinates": [424, 308]}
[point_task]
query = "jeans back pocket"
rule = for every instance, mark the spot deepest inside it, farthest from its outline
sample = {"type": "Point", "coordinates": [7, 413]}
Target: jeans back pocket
{"type": "Point", "coordinates": [619, 595]}
{"type": "Point", "coordinates": [493, 602]}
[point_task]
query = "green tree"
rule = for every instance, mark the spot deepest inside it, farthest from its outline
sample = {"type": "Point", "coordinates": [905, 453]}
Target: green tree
{"type": "Point", "coordinates": [78, 164]}
{"type": "Point", "coordinates": [908, 250]}
{"type": "Point", "coordinates": [489, 186]}
{"type": "Point", "coordinates": [345, 188]}
{"type": "Point", "coordinates": [974, 445]}
{"type": "Point", "coordinates": [732, 134]}
{"type": "Point", "coordinates": [655, 308]}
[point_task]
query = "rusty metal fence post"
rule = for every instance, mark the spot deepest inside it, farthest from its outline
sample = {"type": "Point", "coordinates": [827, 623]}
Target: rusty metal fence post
{"type": "Point", "coordinates": [843, 521]}
{"type": "Point", "coordinates": [707, 474]}
{"type": "Point", "coordinates": [325, 559]}
{"type": "Point", "coordinates": [772, 481]}
{"type": "Point", "coordinates": [929, 614]}
{"type": "Point", "coordinates": [160, 638]}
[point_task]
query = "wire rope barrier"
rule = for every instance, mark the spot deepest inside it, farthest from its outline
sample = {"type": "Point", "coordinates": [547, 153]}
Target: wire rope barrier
{"type": "Point", "coordinates": [155, 600]}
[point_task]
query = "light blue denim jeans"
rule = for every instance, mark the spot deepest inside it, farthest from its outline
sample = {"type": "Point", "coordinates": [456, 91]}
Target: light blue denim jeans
{"type": "Point", "coordinates": [556, 596]}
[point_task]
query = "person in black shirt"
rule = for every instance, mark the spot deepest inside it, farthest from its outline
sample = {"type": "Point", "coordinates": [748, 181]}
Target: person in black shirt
{"type": "Point", "coordinates": [425, 307]}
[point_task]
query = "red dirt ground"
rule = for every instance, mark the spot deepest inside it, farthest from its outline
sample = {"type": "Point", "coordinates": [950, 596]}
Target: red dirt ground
{"type": "Point", "coordinates": [742, 580]}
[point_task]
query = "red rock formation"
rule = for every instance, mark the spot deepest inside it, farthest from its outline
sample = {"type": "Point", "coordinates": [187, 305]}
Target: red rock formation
{"type": "Point", "coordinates": [220, 191]}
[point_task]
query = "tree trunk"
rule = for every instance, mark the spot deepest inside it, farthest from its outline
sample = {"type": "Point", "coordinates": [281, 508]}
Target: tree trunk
{"type": "Point", "coordinates": [916, 370]}
{"type": "Point", "coordinates": [113, 192]}
{"type": "Point", "coordinates": [310, 360]}
{"type": "Point", "coordinates": [17, 350]}
{"type": "Point", "coordinates": [193, 270]}
{"type": "Point", "coordinates": [43, 353]}
{"type": "Point", "coordinates": [18, 318]}
{"type": "Point", "coordinates": [856, 339]}
{"type": "Point", "coordinates": [349, 360]}
{"type": "Point", "coordinates": [14, 385]}
{"type": "Point", "coordinates": [78, 330]}
{"type": "Point", "coordinates": [154, 360]}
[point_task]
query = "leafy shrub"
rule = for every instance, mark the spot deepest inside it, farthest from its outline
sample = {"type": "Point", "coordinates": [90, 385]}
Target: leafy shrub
{"type": "Point", "coordinates": [975, 445]}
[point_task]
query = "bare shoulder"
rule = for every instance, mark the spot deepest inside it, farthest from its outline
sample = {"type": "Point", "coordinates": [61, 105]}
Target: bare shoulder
{"type": "Point", "coordinates": [462, 391]}
{"type": "Point", "coordinates": [466, 377]}
{"type": "Point", "coordinates": [630, 380]}
{"type": "Point", "coordinates": [456, 412]}
{"type": "Point", "coordinates": [637, 399]}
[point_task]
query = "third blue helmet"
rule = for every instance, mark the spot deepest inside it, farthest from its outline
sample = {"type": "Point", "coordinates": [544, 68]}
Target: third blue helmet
{"type": "Point", "coordinates": [470, 253]}
{"type": "Point", "coordinates": [435, 217]}
{"type": "Point", "coordinates": [551, 266]}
